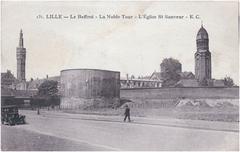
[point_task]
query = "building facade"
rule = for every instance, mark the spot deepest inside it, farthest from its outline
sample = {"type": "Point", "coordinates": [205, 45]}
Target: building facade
{"type": "Point", "coordinates": [203, 69]}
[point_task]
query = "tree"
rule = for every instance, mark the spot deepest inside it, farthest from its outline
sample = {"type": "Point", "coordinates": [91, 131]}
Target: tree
{"type": "Point", "coordinates": [48, 88]}
{"type": "Point", "coordinates": [228, 81]}
{"type": "Point", "coordinates": [48, 93]}
{"type": "Point", "coordinates": [170, 71]}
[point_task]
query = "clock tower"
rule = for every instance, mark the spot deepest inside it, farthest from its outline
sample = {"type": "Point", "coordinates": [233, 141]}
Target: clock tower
{"type": "Point", "coordinates": [21, 58]}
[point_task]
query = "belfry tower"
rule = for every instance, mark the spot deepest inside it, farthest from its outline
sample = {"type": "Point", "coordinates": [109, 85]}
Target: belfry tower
{"type": "Point", "coordinates": [21, 58]}
{"type": "Point", "coordinates": [203, 70]}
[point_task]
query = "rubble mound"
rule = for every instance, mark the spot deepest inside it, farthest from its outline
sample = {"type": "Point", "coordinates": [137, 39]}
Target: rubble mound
{"type": "Point", "coordinates": [224, 105]}
{"type": "Point", "coordinates": [193, 103]}
{"type": "Point", "coordinates": [203, 104]}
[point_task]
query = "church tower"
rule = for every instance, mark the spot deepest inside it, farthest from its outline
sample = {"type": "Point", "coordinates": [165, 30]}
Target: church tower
{"type": "Point", "coordinates": [21, 58]}
{"type": "Point", "coordinates": [203, 68]}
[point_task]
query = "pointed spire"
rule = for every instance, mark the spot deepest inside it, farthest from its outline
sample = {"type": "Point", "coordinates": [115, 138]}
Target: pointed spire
{"type": "Point", "coordinates": [21, 39]}
{"type": "Point", "coordinates": [201, 23]}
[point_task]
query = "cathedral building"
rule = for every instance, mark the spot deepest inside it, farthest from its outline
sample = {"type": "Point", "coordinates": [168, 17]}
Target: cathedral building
{"type": "Point", "coordinates": [203, 70]}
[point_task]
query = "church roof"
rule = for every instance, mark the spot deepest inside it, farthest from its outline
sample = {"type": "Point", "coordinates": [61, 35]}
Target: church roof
{"type": "Point", "coordinates": [187, 75]}
{"type": "Point", "coordinates": [202, 33]}
{"type": "Point", "coordinates": [156, 76]}
{"type": "Point", "coordinates": [187, 83]}
{"type": "Point", "coordinates": [7, 78]}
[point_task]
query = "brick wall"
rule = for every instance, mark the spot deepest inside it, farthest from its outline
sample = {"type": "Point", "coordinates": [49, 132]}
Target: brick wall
{"type": "Point", "coordinates": [173, 93]}
{"type": "Point", "coordinates": [169, 97]}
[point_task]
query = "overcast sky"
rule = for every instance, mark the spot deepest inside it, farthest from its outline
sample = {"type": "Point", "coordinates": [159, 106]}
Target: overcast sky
{"type": "Point", "coordinates": [134, 46]}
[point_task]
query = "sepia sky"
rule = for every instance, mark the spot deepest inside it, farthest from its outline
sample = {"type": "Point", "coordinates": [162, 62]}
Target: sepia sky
{"type": "Point", "coordinates": [134, 46]}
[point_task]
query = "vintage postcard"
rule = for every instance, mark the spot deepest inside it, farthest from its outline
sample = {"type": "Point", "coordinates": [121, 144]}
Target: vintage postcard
{"type": "Point", "coordinates": [119, 75]}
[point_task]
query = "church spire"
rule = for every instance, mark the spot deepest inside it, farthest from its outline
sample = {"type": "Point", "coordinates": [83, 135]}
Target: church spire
{"type": "Point", "coordinates": [21, 39]}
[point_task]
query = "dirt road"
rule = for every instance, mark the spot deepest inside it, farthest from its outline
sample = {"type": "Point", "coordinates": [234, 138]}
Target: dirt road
{"type": "Point", "coordinates": [92, 134]}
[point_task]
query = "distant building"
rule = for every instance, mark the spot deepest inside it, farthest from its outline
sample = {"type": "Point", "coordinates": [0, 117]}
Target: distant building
{"type": "Point", "coordinates": [187, 83]}
{"type": "Point", "coordinates": [216, 83]}
{"type": "Point", "coordinates": [11, 91]}
{"type": "Point", "coordinates": [8, 80]}
{"type": "Point", "coordinates": [203, 69]}
{"type": "Point", "coordinates": [142, 82]}
{"type": "Point", "coordinates": [156, 76]}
